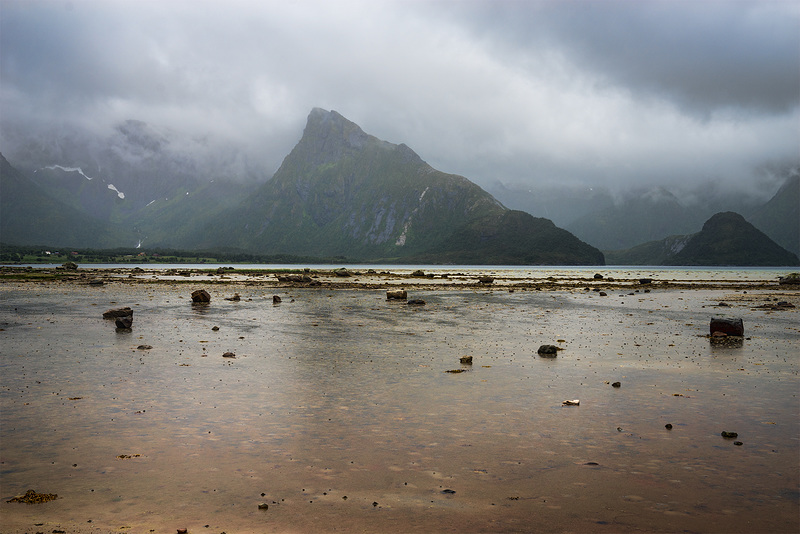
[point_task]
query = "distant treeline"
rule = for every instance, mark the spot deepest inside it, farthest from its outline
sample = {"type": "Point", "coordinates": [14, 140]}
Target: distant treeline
{"type": "Point", "coordinates": [48, 254]}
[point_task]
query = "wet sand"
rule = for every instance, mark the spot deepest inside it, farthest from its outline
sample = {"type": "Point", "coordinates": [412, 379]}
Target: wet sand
{"type": "Point", "coordinates": [338, 411]}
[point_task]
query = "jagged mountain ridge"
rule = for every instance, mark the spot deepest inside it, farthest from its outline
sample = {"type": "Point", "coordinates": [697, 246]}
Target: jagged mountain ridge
{"type": "Point", "coordinates": [341, 191]}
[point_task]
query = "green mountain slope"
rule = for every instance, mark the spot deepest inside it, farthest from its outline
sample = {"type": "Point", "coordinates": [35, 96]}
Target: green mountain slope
{"type": "Point", "coordinates": [28, 215]}
{"type": "Point", "coordinates": [343, 192]}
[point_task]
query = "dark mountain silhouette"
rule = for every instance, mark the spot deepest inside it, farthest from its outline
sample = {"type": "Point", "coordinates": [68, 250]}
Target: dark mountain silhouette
{"type": "Point", "coordinates": [726, 239]}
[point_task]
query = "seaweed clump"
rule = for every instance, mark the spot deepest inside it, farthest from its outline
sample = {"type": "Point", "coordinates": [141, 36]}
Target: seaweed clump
{"type": "Point", "coordinates": [31, 497]}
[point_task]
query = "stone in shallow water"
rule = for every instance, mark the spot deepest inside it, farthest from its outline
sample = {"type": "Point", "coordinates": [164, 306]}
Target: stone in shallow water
{"type": "Point", "coordinates": [201, 295]}
{"type": "Point", "coordinates": [547, 350]}
{"type": "Point", "coordinates": [727, 325]}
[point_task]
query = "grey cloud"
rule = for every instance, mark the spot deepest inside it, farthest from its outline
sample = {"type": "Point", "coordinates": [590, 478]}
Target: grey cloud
{"type": "Point", "coordinates": [518, 91]}
{"type": "Point", "coordinates": [702, 55]}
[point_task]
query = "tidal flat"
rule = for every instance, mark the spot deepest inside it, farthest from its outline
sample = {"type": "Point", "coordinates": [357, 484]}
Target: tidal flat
{"type": "Point", "coordinates": [338, 413]}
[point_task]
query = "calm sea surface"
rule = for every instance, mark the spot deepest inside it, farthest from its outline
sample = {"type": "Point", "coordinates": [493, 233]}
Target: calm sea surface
{"type": "Point", "coordinates": [338, 411]}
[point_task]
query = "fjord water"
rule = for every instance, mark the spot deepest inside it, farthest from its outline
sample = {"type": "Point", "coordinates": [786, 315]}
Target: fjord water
{"type": "Point", "coordinates": [339, 410]}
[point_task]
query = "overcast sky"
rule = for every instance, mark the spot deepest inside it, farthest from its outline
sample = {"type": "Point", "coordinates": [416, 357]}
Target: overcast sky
{"type": "Point", "coordinates": [597, 92]}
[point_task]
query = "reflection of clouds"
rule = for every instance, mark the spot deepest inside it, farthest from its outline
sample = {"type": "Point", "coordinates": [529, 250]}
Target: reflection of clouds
{"type": "Point", "coordinates": [360, 403]}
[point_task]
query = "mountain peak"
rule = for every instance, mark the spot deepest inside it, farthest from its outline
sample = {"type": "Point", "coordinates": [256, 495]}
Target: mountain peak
{"type": "Point", "coordinates": [328, 136]}
{"type": "Point", "coordinates": [728, 239]}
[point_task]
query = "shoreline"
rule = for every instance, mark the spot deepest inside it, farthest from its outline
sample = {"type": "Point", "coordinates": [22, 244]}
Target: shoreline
{"type": "Point", "coordinates": [343, 278]}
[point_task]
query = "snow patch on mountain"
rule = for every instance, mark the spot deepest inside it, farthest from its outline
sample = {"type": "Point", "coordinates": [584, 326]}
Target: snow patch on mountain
{"type": "Point", "coordinates": [67, 169]}
{"type": "Point", "coordinates": [120, 194]}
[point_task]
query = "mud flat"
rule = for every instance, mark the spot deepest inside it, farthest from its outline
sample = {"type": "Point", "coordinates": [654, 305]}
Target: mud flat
{"type": "Point", "coordinates": [336, 409]}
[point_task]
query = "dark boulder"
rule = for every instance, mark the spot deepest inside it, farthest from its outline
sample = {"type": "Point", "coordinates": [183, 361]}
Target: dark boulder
{"type": "Point", "coordinates": [416, 302]}
{"type": "Point", "coordinates": [727, 325]}
{"type": "Point", "coordinates": [549, 351]}
{"type": "Point", "coordinates": [124, 322]}
{"type": "Point", "coordinates": [276, 299]}
{"type": "Point", "coordinates": [201, 295]}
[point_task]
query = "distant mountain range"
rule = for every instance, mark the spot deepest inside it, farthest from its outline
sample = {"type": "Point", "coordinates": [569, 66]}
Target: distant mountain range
{"type": "Point", "coordinates": [726, 239]}
{"type": "Point", "coordinates": [638, 215]}
{"type": "Point", "coordinates": [339, 192]}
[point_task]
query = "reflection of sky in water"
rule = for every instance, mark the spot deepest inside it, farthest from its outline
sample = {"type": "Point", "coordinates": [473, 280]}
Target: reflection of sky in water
{"type": "Point", "coordinates": [341, 393]}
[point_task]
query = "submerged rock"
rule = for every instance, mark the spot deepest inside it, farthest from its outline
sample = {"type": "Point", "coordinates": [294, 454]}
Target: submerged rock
{"type": "Point", "coordinates": [729, 435]}
{"type": "Point", "coordinates": [416, 302]}
{"type": "Point", "coordinates": [31, 497]}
